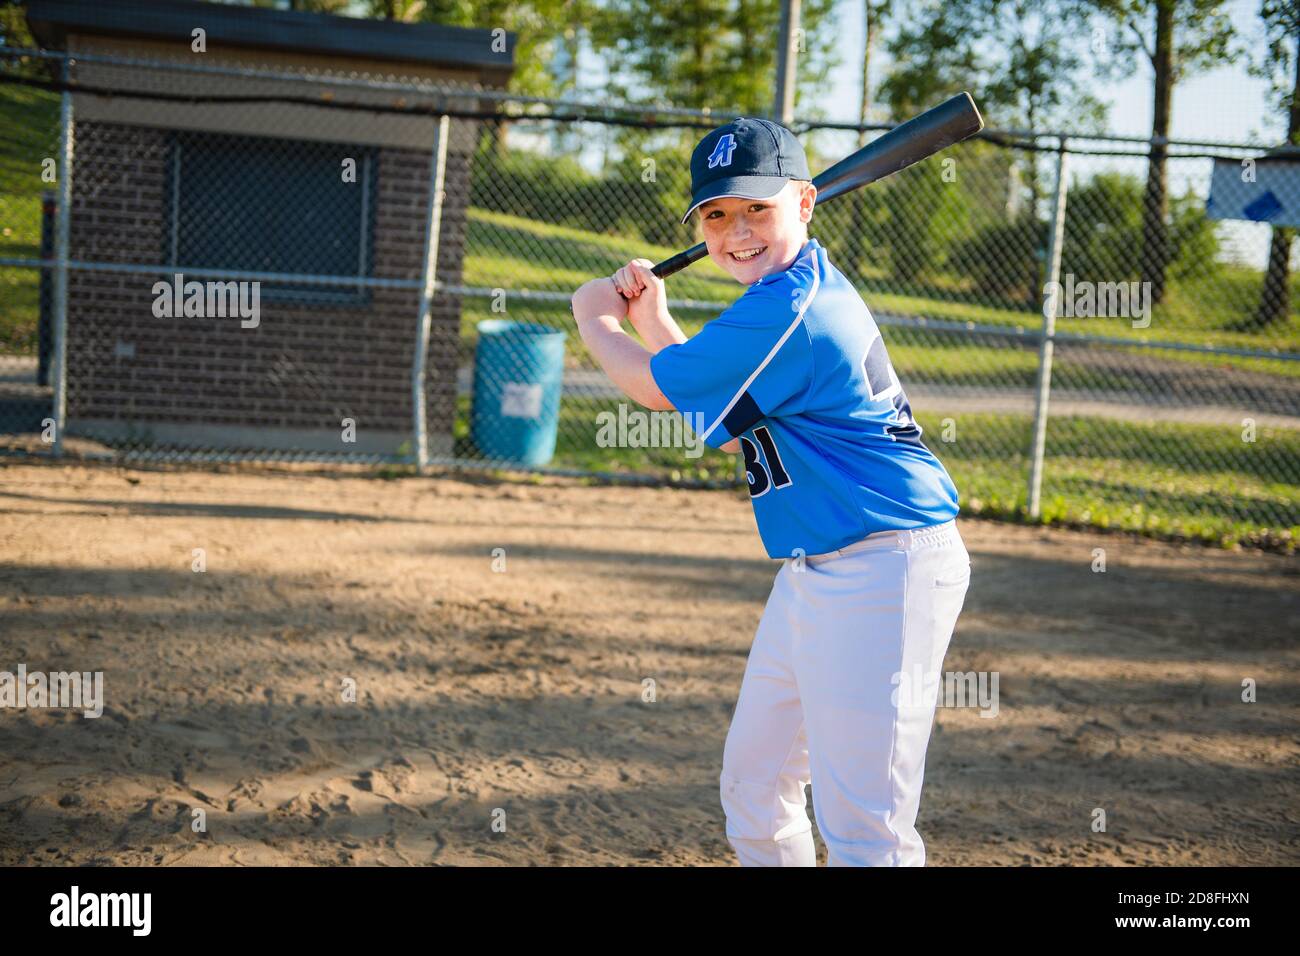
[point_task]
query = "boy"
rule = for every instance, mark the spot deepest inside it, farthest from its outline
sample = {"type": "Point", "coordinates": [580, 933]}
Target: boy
{"type": "Point", "coordinates": [840, 686]}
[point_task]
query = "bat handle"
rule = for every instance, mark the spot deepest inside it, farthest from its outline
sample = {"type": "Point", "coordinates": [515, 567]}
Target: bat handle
{"type": "Point", "coordinates": [680, 261]}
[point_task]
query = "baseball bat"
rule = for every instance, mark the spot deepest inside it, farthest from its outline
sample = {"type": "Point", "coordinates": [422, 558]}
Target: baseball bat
{"type": "Point", "coordinates": [919, 138]}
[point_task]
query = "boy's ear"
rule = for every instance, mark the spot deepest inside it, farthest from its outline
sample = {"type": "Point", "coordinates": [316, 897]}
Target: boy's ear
{"type": "Point", "coordinates": [807, 199]}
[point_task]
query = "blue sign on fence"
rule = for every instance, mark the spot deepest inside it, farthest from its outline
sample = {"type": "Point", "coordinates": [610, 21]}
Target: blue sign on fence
{"type": "Point", "coordinates": [1257, 190]}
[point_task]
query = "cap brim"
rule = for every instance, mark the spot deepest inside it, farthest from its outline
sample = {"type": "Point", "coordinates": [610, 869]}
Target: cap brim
{"type": "Point", "coordinates": [739, 187]}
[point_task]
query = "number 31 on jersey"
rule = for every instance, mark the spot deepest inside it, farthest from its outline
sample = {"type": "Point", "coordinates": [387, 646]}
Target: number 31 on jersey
{"type": "Point", "coordinates": [763, 477]}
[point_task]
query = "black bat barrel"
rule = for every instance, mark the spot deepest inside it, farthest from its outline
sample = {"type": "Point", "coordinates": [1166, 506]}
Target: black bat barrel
{"type": "Point", "coordinates": [917, 139]}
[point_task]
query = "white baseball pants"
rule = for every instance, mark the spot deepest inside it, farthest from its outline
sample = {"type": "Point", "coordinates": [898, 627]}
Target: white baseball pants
{"type": "Point", "coordinates": [822, 701]}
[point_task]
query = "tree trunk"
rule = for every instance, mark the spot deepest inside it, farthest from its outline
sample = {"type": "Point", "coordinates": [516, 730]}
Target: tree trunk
{"type": "Point", "coordinates": [856, 258]}
{"type": "Point", "coordinates": [497, 130]}
{"type": "Point", "coordinates": [1155, 205]}
{"type": "Point", "coordinates": [864, 106]}
{"type": "Point", "coordinates": [1275, 299]}
{"type": "Point", "coordinates": [491, 140]}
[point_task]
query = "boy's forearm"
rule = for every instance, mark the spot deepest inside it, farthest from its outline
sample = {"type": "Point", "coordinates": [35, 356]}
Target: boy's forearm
{"type": "Point", "coordinates": [596, 310]}
{"type": "Point", "coordinates": [658, 332]}
{"type": "Point", "coordinates": [624, 360]}
{"type": "Point", "coordinates": [627, 363]}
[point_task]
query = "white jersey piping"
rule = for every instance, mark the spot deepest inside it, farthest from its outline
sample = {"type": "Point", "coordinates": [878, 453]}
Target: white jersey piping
{"type": "Point", "coordinates": [781, 341]}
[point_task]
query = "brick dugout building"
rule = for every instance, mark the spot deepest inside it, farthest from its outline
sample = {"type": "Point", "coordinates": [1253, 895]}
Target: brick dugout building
{"type": "Point", "coordinates": [260, 187]}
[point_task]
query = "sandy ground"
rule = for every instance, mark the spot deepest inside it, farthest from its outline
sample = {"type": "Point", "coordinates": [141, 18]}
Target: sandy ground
{"type": "Point", "coordinates": [515, 697]}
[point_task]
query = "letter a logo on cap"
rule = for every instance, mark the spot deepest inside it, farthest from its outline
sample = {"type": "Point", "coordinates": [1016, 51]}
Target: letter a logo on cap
{"type": "Point", "coordinates": [721, 155]}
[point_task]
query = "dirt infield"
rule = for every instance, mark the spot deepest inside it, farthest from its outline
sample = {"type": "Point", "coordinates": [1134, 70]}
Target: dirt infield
{"type": "Point", "coordinates": [486, 696]}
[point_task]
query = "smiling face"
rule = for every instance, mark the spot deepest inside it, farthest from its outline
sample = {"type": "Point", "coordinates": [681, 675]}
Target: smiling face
{"type": "Point", "coordinates": [751, 238]}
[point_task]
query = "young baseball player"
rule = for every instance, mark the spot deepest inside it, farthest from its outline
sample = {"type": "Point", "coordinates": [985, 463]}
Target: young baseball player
{"type": "Point", "coordinates": [841, 683]}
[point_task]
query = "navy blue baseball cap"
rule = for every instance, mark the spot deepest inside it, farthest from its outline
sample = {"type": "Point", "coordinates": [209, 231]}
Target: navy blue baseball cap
{"type": "Point", "coordinates": [748, 158]}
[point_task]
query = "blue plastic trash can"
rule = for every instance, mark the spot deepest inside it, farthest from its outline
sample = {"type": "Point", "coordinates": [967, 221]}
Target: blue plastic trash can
{"type": "Point", "coordinates": [518, 377]}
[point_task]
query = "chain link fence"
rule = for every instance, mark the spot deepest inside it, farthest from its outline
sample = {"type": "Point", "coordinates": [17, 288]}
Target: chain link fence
{"type": "Point", "coordinates": [246, 275]}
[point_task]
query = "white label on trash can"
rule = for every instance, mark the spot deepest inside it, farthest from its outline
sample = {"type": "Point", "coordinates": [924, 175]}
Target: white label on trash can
{"type": "Point", "coordinates": [521, 401]}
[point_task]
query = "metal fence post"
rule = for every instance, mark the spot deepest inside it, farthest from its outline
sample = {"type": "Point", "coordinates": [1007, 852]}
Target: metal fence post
{"type": "Point", "coordinates": [1051, 302]}
{"type": "Point", "coordinates": [62, 231]}
{"type": "Point", "coordinates": [433, 226]}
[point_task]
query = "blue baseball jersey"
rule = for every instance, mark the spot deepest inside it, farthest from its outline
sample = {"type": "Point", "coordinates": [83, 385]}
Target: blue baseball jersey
{"type": "Point", "coordinates": [797, 370]}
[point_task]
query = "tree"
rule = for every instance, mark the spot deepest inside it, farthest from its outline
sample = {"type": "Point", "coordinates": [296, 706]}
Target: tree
{"type": "Point", "coordinates": [305, 6]}
{"type": "Point", "coordinates": [923, 215]}
{"type": "Point", "coordinates": [1031, 81]}
{"type": "Point", "coordinates": [538, 26]}
{"type": "Point", "coordinates": [933, 58]}
{"type": "Point", "coordinates": [14, 32]}
{"type": "Point", "coordinates": [1282, 55]}
{"type": "Point", "coordinates": [863, 205]}
{"type": "Point", "coordinates": [1022, 61]}
{"type": "Point", "coordinates": [1105, 225]}
{"type": "Point", "coordinates": [1178, 38]}
{"type": "Point", "coordinates": [703, 54]}
{"type": "Point", "coordinates": [875, 16]}
{"type": "Point", "coordinates": [406, 11]}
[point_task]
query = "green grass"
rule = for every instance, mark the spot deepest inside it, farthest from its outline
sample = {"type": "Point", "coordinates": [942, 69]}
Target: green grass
{"type": "Point", "coordinates": [1174, 481]}
{"type": "Point", "coordinates": [1171, 324]}
{"type": "Point", "coordinates": [1203, 307]}
{"type": "Point", "coordinates": [920, 357]}
{"type": "Point", "coordinates": [29, 119]}
{"type": "Point", "coordinates": [508, 252]}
